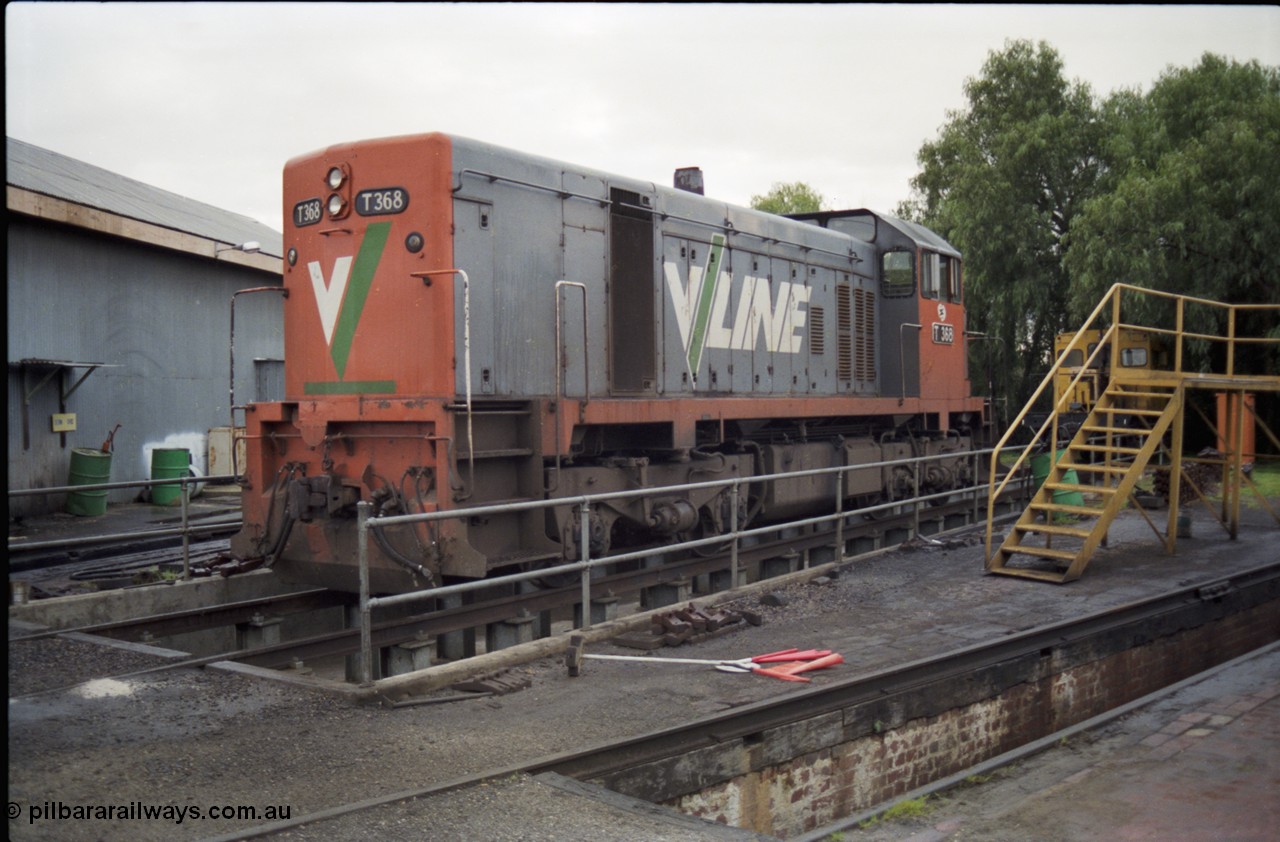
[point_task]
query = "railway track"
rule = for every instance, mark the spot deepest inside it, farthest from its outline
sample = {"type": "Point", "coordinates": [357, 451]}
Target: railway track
{"type": "Point", "coordinates": [488, 606]}
{"type": "Point", "coordinates": [721, 740]}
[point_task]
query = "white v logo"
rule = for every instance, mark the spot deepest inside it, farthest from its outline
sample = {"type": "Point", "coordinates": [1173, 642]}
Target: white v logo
{"type": "Point", "coordinates": [329, 295]}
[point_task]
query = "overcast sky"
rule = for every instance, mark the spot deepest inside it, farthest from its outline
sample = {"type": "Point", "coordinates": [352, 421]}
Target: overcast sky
{"type": "Point", "coordinates": [210, 100]}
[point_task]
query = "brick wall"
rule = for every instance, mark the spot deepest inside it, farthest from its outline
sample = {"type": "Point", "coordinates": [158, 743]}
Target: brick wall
{"type": "Point", "coordinates": [887, 751]}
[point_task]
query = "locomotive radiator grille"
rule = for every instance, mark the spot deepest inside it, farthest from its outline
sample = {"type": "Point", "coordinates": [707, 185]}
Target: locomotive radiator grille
{"type": "Point", "coordinates": [844, 332]}
{"type": "Point", "coordinates": [817, 332]}
{"type": "Point", "coordinates": [865, 335]}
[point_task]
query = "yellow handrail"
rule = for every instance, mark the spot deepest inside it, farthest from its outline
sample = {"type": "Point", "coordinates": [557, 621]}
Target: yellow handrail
{"type": "Point", "coordinates": [1112, 336]}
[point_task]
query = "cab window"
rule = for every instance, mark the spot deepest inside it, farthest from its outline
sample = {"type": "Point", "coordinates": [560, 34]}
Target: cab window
{"type": "Point", "coordinates": [898, 276]}
{"type": "Point", "coordinates": [1075, 358]}
{"type": "Point", "coordinates": [940, 277]}
{"type": "Point", "coordinates": [949, 282]}
{"type": "Point", "coordinates": [1133, 357]}
{"type": "Point", "coordinates": [929, 275]}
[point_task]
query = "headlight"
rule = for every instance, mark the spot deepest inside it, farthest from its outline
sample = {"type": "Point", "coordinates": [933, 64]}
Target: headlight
{"type": "Point", "coordinates": [335, 178]}
{"type": "Point", "coordinates": [337, 205]}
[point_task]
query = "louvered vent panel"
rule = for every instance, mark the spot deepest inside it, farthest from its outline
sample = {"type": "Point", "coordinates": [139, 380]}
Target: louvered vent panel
{"type": "Point", "coordinates": [844, 332]}
{"type": "Point", "coordinates": [865, 335]}
{"type": "Point", "coordinates": [817, 333]}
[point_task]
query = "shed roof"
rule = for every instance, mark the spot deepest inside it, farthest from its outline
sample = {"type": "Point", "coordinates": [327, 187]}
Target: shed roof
{"type": "Point", "coordinates": [49, 173]}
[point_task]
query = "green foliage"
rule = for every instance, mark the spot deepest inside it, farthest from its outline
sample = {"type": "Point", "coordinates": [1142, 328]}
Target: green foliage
{"type": "Point", "coordinates": [1265, 480]}
{"type": "Point", "coordinates": [1191, 203]}
{"type": "Point", "coordinates": [793, 197]}
{"type": "Point", "coordinates": [1053, 197]}
{"type": "Point", "coordinates": [910, 809]}
{"type": "Point", "coordinates": [1003, 183]}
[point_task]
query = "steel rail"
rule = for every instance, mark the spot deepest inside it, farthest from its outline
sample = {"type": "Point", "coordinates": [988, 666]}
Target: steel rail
{"type": "Point", "coordinates": [389, 633]}
{"type": "Point", "coordinates": [200, 619]}
{"type": "Point", "coordinates": [806, 703]}
{"type": "Point", "coordinates": [797, 705]}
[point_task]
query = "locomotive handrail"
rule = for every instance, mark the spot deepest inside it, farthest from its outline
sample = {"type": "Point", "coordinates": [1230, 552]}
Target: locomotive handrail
{"type": "Point", "coordinates": [560, 364]}
{"type": "Point", "coordinates": [559, 191]}
{"type": "Point", "coordinates": [466, 370]}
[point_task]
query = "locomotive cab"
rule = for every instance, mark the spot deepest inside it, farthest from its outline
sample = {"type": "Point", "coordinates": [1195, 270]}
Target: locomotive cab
{"type": "Point", "coordinates": [920, 288]}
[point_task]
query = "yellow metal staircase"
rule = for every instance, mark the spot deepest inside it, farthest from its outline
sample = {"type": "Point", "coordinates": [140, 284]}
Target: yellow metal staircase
{"type": "Point", "coordinates": [1068, 519]}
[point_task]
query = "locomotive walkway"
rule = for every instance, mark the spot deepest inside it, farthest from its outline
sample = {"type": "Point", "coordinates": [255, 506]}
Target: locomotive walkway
{"type": "Point", "coordinates": [1198, 763]}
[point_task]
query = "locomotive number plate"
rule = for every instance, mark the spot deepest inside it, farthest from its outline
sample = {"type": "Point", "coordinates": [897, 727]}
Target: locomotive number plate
{"type": "Point", "coordinates": [307, 212]}
{"type": "Point", "coordinates": [383, 200]}
{"type": "Point", "coordinates": [943, 334]}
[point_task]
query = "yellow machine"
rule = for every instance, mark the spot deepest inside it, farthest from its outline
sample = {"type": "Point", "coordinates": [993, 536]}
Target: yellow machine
{"type": "Point", "coordinates": [1139, 350]}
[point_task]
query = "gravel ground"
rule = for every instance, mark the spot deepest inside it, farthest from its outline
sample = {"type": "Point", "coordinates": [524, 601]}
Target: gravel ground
{"type": "Point", "coordinates": [207, 738]}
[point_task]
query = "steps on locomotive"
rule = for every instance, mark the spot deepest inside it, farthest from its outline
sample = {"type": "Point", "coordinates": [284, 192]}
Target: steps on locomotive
{"type": "Point", "coordinates": [498, 464]}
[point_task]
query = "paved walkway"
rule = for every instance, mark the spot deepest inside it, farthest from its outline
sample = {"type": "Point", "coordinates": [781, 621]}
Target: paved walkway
{"type": "Point", "coordinates": [1200, 764]}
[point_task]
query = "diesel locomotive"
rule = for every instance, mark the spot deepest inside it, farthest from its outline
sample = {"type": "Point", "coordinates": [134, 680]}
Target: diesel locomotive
{"type": "Point", "coordinates": [467, 325]}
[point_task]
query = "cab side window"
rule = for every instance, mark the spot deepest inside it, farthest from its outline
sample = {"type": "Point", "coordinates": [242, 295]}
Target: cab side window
{"type": "Point", "coordinates": [949, 281]}
{"type": "Point", "coordinates": [898, 275]}
{"type": "Point", "coordinates": [1133, 357]}
{"type": "Point", "coordinates": [929, 270]}
{"type": "Point", "coordinates": [940, 277]}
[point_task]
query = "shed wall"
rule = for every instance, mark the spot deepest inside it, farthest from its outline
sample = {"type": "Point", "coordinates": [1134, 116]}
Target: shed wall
{"type": "Point", "coordinates": [161, 318]}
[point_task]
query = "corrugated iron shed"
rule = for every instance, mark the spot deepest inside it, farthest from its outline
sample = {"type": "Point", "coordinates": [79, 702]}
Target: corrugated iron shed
{"type": "Point", "coordinates": [41, 171]}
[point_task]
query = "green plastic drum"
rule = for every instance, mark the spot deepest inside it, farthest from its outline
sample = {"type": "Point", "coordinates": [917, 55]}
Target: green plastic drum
{"type": "Point", "coordinates": [89, 467]}
{"type": "Point", "coordinates": [1040, 467]}
{"type": "Point", "coordinates": [169, 463]}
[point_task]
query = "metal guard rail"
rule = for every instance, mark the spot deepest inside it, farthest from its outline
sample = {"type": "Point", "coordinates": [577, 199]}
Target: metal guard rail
{"type": "Point", "coordinates": [186, 530]}
{"type": "Point", "coordinates": [584, 566]}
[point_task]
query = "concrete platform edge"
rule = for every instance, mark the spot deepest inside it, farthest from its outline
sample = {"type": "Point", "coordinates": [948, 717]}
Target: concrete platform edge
{"type": "Point", "coordinates": [1029, 749]}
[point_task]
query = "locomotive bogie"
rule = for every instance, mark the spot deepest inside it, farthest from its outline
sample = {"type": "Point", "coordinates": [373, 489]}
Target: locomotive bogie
{"type": "Point", "coordinates": [646, 520]}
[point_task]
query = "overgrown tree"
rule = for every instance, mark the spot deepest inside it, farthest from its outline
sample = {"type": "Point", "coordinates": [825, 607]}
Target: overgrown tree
{"type": "Point", "coordinates": [1003, 182]}
{"type": "Point", "coordinates": [1191, 198]}
{"type": "Point", "coordinates": [792, 197]}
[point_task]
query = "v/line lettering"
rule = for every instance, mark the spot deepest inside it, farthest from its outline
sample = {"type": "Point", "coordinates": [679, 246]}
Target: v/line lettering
{"type": "Point", "coordinates": [702, 305]}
